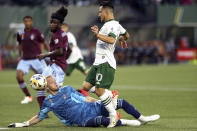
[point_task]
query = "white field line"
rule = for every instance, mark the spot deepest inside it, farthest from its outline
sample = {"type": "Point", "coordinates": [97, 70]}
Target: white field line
{"type": "Point", "coordinates": [188, 88]}
{"type": "Point", "coordinates": [4, 128]}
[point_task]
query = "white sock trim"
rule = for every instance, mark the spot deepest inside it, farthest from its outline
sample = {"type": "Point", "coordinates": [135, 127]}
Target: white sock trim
{"type": "Point", "coordinates": [41, 93]}
{"type": "Point", "coordinates": [107, 101]}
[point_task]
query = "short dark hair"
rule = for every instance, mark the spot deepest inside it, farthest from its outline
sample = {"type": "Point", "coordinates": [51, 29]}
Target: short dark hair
{"type": "Point", "coordinates": [27, 17]}
{"type": "Point", "coordinates": [108, 7]}
{"type": "Point", "coordinates": [107, 4]}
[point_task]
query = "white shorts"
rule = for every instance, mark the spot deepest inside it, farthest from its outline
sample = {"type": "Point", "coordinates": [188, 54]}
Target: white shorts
{"type": "Point", "coordinates": [35, 64]}
{"type": "Point", "coordinates": [55, 71]}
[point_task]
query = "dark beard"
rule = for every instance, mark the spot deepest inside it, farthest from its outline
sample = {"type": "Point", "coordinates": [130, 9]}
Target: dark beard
{"type": "Point", "coordinates": [53, 31]}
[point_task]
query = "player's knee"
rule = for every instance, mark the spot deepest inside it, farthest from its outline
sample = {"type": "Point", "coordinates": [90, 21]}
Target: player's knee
{"type": "Point", "coordinates": [100, 91]}
{"type": "Point", "coordinates": [19, 75]}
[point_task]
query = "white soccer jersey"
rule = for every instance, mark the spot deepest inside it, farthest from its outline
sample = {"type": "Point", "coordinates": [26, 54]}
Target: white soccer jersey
{"type": "Point", "coordinates": [76, 53]}
{"type": "Point", "coordinates": [105, 51]}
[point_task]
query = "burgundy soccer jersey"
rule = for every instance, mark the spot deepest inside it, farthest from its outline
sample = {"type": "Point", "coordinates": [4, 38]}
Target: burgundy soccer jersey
{"type": "Point", "coordinates": [59, 40]}
{"type": "Point", "coordinates": [30, 41]}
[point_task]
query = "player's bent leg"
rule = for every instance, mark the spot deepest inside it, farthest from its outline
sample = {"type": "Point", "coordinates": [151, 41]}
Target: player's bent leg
{"type": "Point", "coordinates": [103, 81]}
{"type": "Point", "coordinates": [19, 76]}
{"type": "Point", "coordinates": [69, 69]}
{"type": "Point", "coordinates": [130, 109]}
{"type": "Point", "coordinates": [81, 66]}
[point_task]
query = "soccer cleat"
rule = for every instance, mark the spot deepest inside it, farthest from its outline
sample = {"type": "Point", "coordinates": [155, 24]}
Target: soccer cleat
{"type": "Point", "coordinates": [13, 125]}
{"type": "Point", "coordinates": [119, 115]}
{"type": "Point", "coordinates": [27, 100]}
{"type": "Point", "coordinates": [126, 122]}
{"type": "Point", "coordinates": [146, 119]}
{"type": "Point", "coordinates": [115, 98]}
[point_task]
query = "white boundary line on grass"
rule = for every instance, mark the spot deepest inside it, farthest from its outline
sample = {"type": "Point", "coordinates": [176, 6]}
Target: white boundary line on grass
{"type": "Point", "coordinates": [4, 128]}
{"type": "Point", "coordinates": [188, 88]}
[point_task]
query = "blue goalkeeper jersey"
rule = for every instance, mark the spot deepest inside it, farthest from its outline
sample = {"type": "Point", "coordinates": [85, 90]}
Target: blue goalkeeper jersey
{"type": "Point", "coordinates": [70, 107]}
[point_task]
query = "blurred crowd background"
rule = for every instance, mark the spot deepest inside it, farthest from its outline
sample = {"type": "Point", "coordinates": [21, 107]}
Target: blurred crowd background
{"type": "Point", "coordinates": [93, 2]}
{"type": "Point", "coordinates": [158, 28]}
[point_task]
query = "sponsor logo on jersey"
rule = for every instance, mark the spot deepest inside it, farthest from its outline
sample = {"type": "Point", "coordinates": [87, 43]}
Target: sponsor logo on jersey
{"type": "Point", "coordinates": [64, 96]}
{"type": "Point", "coordinates": [32, 37]}
{"type": "Point", "coordinates": [42, 35]}
{"type": "Point", "coordinates": [56, 41]}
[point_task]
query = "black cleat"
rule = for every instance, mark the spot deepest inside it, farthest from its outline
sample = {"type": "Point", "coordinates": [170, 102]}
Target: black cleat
{"type": "Point", "coordinates": [13, 125]}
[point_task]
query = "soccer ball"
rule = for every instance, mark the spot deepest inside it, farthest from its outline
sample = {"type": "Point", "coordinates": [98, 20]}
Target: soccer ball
{"type": "Point", "coordinates": [38, 82]}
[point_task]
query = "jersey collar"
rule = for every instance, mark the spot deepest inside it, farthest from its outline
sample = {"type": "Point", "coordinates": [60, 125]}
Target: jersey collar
{"type": "Point", "coordinates": [111, 20]}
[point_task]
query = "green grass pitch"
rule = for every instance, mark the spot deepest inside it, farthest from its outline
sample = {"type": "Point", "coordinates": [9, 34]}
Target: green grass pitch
{"type": "Point", "coordinates": [170, 91]}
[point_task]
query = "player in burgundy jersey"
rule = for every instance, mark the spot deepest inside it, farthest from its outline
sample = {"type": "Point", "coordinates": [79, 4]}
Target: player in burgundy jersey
{"type": "Point", "coordinates": [31, 42]}
{"type": "Point", "coordinates": [59, 48]}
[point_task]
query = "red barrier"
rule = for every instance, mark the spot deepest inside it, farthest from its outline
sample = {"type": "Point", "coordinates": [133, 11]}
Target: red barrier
{"type": "Point", "coordinates": [184, 54]}
{"type": "Point", "coordinates": [0, 62]}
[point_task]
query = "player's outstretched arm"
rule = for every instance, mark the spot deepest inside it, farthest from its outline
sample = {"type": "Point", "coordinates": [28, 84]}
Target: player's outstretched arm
{"type": "Point", "coordinates": [56, 52]}
{"type": "Point", "coordinates": [34, 120]}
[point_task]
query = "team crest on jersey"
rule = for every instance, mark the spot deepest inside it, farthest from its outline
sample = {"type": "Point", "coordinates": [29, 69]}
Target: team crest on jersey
{"type": "Point", "coordinates": [51, 100]}
{"type": "Point", "coordinates": [32, 37]}
{"type": "Point", "coordinates": [42, 35]}
{"type": "Point", "coordinates": [56, 41]}
{"type": "Point", "coordinates": [64, 96]}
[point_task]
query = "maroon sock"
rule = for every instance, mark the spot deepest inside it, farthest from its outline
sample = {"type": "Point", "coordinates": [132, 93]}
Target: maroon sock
{"type": "Point", "coordinates": [25, 90]}
{"type": "Point", "coordinates": [40, 100]}
{"type": "Point", "coordinates": [23, 87]}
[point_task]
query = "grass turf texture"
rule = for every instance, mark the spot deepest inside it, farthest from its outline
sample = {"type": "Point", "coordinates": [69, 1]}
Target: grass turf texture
{"type": "Point", "coordinates": [170, 91]}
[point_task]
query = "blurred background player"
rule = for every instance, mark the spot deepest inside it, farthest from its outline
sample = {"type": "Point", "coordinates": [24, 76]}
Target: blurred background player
{"type": "Point", "coordinates": [101, 74]}
{"type": "Point", "coordinates": [59, 48]}
{"type": "Point", "coordinates": [75, 59]}
{"type": "Point", "coordinates": [31, 42]}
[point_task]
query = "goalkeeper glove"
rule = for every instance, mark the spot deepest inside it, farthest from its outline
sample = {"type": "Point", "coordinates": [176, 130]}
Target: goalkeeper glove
{"type": "Point", "coordinates": [24, 124]}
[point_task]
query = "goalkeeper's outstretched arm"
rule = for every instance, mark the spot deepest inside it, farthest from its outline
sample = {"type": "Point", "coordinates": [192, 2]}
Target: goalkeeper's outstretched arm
{"type": "Point", "coordinates": [34, 120]}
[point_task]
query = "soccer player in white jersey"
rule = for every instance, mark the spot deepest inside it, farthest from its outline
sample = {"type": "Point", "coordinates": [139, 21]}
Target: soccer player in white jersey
{"type": "Point", "coordinates": [101, 74]}
{"type": "Point", "coordinates": [75, 60]}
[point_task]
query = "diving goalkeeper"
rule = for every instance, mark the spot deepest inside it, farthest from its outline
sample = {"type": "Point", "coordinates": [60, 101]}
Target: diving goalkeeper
{"type": "Point", "coordinates": [73, 108]}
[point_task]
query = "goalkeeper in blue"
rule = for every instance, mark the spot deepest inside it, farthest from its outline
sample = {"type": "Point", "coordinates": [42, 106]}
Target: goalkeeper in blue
{"type": "Point", "coordinates": [73, 108]}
